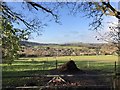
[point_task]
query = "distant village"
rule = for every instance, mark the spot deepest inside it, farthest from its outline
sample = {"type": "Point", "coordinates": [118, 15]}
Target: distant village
{"type": "Point", "coordinates": [35, 50]}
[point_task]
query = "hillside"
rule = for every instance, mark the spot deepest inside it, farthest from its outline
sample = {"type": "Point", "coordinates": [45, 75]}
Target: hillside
{"type": "Point", "coordinates": [32, 49]}
{"type": "Point", "coordinates": [28, 43]}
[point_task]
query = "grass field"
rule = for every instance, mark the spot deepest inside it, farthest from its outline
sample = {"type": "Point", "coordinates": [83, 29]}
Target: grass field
{"type": "Point", "coordinates": [59, 47]}
{"type": "Point", "coordinates": [41, 65]}
{"type": "Point", "coordinates": [105, 63]}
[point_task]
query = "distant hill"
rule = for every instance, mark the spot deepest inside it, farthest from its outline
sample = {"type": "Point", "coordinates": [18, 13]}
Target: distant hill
{"type": "Point", "coordinates": [28, 43]}
{"type": "Point", "coordinates": [81, 44]}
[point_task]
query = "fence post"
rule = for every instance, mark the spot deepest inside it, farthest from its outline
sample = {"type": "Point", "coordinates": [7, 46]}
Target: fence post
{"type": "Point", "coordinates": [88, 64]}
{"type": "Point", "coordinates": [56, 63]}
{"type": "Point", "coordinates": [115, 69]}
{"type": "Point", "coordinates": [115, 77]}
{"type": "Point", "coordinates": [43, 65]}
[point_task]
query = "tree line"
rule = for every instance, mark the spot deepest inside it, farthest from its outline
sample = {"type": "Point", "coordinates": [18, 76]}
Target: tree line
{"type": "Point", "coordinates": [41, 51]}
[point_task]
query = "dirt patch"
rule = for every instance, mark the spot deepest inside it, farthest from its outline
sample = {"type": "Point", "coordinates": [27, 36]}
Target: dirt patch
{"type": "Point", "coordinates": [69, 67]}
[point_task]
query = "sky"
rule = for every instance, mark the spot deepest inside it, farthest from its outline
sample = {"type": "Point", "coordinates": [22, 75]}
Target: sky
{"type": "Point", "coordinates": [73, 29]}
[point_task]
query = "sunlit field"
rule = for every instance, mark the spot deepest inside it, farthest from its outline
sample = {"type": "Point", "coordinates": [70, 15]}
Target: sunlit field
{"type": "Point", "coordinates": [104, 63]}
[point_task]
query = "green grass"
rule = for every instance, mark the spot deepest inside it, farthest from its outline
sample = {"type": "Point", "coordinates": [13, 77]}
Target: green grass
{"type": "Point", "coordinates": [59, 47]}
{"type": "Point", "coordinates": [76, 58]}
{"type": "Point", "coordinates": [41, 65]}
{"type": "Point", "coordinates": [47, 63]}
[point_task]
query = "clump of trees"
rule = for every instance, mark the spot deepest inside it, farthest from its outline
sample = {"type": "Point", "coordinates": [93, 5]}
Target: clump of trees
{"type": "Point", "coordinates": [10, 40]}
{"type": "Point", "coordinates": [102, 49]}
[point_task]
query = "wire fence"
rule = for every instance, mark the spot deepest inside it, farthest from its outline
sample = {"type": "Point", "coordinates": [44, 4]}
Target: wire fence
{"type": "Point", "coordinates": [107, 81]}
{"type": "Point", "coordinates": [94, 82]}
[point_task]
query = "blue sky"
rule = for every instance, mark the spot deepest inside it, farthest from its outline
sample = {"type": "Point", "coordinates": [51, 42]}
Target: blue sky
{"type": "Point", "coordinates": [72, 29]}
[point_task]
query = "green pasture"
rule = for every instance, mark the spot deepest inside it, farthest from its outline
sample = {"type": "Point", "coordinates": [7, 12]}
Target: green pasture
{"type": "Point", "coordinates": [39, 66]}
{"type": "Point", "coordinates": [105, 58]}
{"type": "Point", "coordinates": [29, 66]}
{"type": "Point", "coordinates": [59, 47]}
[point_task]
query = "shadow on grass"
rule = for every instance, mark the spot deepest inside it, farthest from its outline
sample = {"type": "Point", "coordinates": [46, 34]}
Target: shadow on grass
{"type": "Point", "coordinates": [43, 67]}
{"type": "Point", "coordinates": [10, 74]}
{"type": "Point", "coordinates": [33, 78]}
{"type": "Point", "coordinates": [23, 59]}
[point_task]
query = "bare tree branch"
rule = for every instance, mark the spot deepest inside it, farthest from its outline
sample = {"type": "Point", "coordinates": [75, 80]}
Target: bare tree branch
{"type": "Point", "coordinates": [36, 6]}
